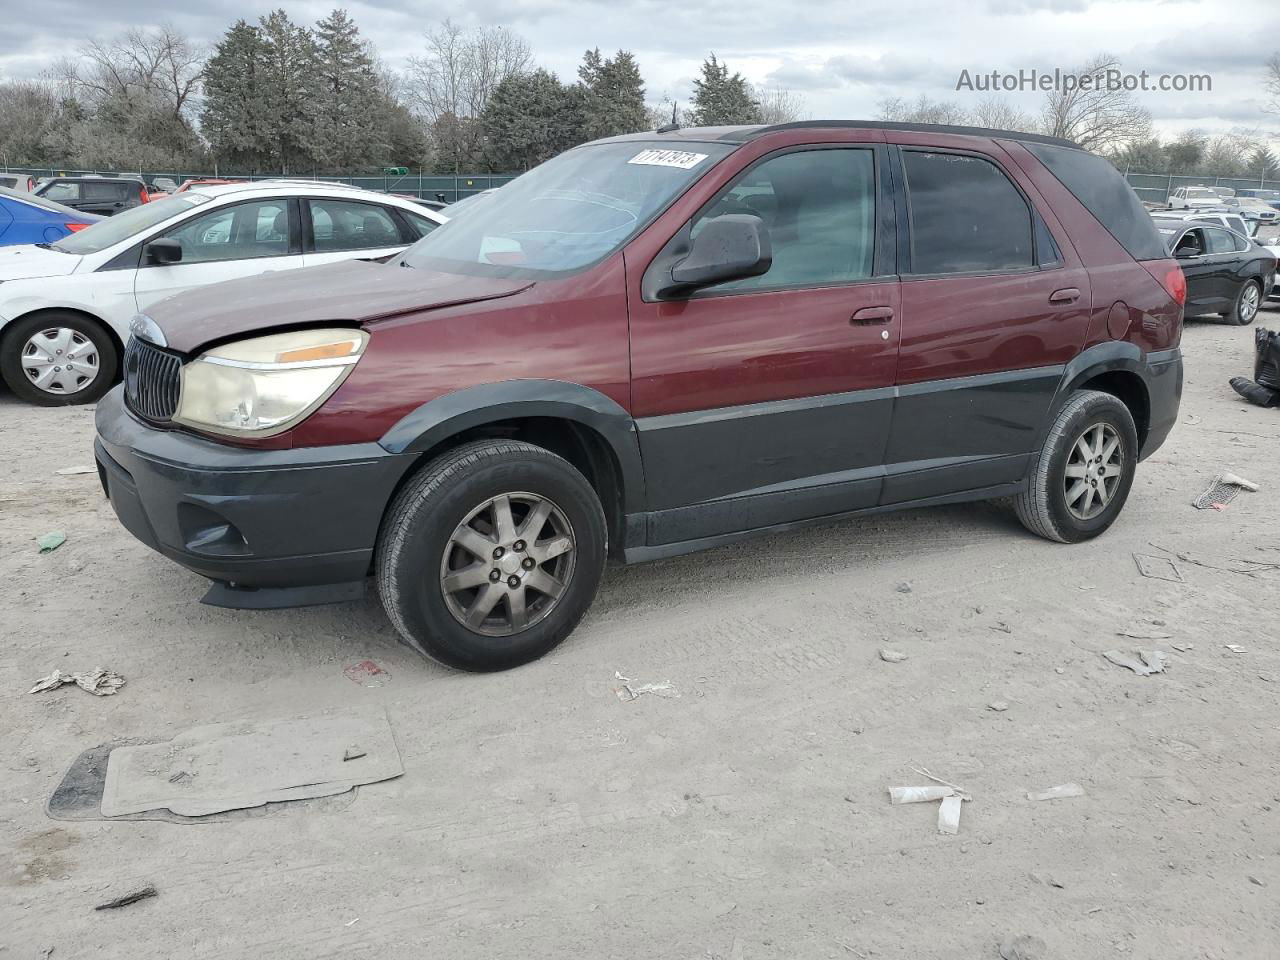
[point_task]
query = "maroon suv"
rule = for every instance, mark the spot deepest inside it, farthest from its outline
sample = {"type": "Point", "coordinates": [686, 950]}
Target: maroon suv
{"type": "Point", "coordinates": [649, 345]}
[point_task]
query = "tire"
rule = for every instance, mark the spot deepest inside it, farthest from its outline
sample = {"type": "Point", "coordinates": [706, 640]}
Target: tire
{"type": "Point", "coordinates": [1046, 507]}
{"type": "Point", "coordinates": [419, 546]}
{"type": "Point", "coordinates": [39, 338]}
{"type": "Point", "coordinates": [1245, 310]}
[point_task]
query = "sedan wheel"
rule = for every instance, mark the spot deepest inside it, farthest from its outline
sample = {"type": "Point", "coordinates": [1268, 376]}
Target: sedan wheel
{"type": "Point", "coordinates": [60, 361]}
{"type": "Point", "coordinates": [1247, 308]}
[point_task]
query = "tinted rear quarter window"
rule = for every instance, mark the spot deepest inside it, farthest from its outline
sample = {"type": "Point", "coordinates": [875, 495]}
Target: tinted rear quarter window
{"type": "Point", "coordinates": [1105, 194]}
{"type": "Point", "coordinates": [966, 217]}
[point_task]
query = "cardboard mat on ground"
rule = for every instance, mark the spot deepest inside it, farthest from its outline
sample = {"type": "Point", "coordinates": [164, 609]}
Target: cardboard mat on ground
{"type": "Point", "coordinates": [247, 763]}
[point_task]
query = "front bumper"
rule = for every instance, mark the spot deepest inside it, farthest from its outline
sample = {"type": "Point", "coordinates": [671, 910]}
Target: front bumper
{"type": "Point", "coordinates": [250, 518]}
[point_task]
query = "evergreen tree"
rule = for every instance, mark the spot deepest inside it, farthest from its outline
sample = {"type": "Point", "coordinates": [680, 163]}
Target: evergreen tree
{"type": "Point", "coordinates": [1264, 163]}
{"type": "Point", "coordinates": [613, 93]}
{"type": "Point", "coordinates": [721, 98]}
{"type": "Point", "coordinates": [234, 120]}
{"type": "Point", "coordinates": [531, 117]}
{"type": "Point", "coordinates": [351, 127]}
{"type": "Point", "coordinates": [291, 93]}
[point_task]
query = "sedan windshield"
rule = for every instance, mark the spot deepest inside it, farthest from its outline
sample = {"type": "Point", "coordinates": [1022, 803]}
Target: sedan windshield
{"type": "Point", "coordinates": [109, 232]}
{"type": "Point", "coordinates": [567, 213]}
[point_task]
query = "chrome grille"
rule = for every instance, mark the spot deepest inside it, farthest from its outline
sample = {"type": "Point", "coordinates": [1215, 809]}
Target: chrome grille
{"type": "Point", "coordinates": [151, 380]}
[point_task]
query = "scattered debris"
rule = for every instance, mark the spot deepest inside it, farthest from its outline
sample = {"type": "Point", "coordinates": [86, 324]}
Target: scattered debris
{"type": "Point", "coordinates": [146, 893]}
{"type": "Point", "coordinates": [1191, 419]}
{"type": "Point", "coordinates": [1143, 634]}
{"type": "Point", "coordinates": [630, 690]}
{"type": "Point", "coordinates": [1048, 880]}
{"type": "Point", "coordinates": [919, 794]}
{"type": "Point", "coordinates": [1157, 568]}
{"type": "Point", "coordinates": [182, 776]}
{"type": "Point", "coordinates": [1234, 647]}
{"type": "Point", "coordinates": [1182, 647]}
{"type": "Point", "coordinates": [367, 674]}
{"type": "Point", "coordinates": [1002, 627]}
{"type": "Point", "coordinates": [1224, 489]}
{"type": "Point", "coordinates": [960, 791]}
{"type": "Point", "coordinates": [949, 815]}
{"type": "Point", "coordinates": [1256, 882]}
{"type": "Point", "coordinates": [51, 541]}
{"type": "Point", "coordinates": [1062, 792]}
{"type": "Point", "coordinates": [75, 471]}
{"type": "Point", "coordinates": [999, 706]}
{"type": "Point", "coordinates": [1023, 947]}
{"type": "Point", "coordinates": [892, 656]}
{"type": "Point", "coordinates": [100, 682]}
{"type": "Point", "coordinates": [353, 753]}
{"type": "Point", "coordinates": [904, 588]}
{"type": "Point", "coordinates": [351, 923]}
{"type": "Point", "coordinates": [1144, 664]}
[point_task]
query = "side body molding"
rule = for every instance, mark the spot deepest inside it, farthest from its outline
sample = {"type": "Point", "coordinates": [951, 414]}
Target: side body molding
{"type": "Point", "coordinates": [448, 415]}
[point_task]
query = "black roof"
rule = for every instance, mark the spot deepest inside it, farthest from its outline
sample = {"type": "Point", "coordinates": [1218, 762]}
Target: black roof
{"type": "Point", "coordinates": [743, 134]}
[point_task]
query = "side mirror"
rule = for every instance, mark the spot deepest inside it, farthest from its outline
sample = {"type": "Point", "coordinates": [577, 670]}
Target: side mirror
{"type": "Point", "coordinates": [1186, 253]}
{"type": "Point", "coordinates": [729, 247]}
{"type": "Point", "coordinates": [162, 251]}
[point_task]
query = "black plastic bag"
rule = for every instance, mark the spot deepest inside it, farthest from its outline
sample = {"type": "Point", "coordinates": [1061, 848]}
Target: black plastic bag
{"type": "Point", "coordinates": [1266, 361]}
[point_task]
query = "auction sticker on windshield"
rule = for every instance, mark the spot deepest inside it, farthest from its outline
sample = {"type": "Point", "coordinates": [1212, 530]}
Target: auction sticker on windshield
{"type": "Point", "coordinates": [668, 158]}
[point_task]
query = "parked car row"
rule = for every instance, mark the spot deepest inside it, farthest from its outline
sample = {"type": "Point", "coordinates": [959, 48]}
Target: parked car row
{"type": "Point", "coordinates": [1228, 273]}
{"type": "Point", "coordinates": [66, 304]}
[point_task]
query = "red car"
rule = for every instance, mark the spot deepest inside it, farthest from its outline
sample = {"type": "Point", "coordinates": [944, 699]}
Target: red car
{"type": "Point", "coordinates": [649, 345]}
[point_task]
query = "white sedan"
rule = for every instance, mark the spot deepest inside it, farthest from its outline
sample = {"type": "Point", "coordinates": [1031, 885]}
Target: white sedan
{"type": "Point", "coordinates": [65, 307]}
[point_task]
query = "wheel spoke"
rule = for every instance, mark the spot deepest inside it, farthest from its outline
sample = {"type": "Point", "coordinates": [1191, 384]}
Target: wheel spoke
{"type": "Point", "coordinates": [543, 582]}
{"type": "Point", "coordinates": [61, 340]}
{"type": "Point", "coordinates": [503, 523]}
{"type": "Point", "coordinates": [550, 549]}
{"type": "Point", "coordinates": [47, 379]}
{"type": "Point", "coordinates": [1086, 451]}
{"type": "Point", "coordinates": [485, 601]}
{"type": "Point", "coordinates": [519, 613]}
{"type": "Point", "coordinates": [536, 520]}
{"type": "Point", "coordinates": [474, 542]}
{"type": "Point", "coordinates": [1076, 470]}
{"type": "Point", "coordinates": [466, 578]}
{"type": "Point", "coordinates": [1088, 500]}
{"type": "Point", "coordinates": [1109, 450]}
{"type": "Point", "coordinates": [1104, 495]}
{"type": "Point", "coordinates": [1099, 438]}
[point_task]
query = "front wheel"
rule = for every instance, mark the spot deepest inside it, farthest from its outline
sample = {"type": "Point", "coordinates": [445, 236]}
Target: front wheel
{"type": "Point", "coordinates": [491, 554]}
{"type": "Point", "coordinates": [1245, 309]}
{"type": "Point", "coordinates": [1082, 477]}
{"type": "Point", "coordinates": [56, 359]}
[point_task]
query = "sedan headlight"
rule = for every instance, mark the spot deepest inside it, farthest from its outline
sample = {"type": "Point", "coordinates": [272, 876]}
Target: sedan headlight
{"type": "Point", "coordinates": [264, 386]}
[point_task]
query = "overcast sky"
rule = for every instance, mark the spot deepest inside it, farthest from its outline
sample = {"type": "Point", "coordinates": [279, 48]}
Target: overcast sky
{"type": "Point", "coordinates": [842, 58]}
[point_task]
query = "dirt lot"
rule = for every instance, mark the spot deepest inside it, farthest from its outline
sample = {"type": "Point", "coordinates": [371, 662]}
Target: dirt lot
{"type": "Point", "coordinates": [747, 817]}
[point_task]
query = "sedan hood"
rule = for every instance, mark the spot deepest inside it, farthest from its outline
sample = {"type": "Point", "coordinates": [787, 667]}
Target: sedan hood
{"type": "Point", "coordinates": [28, 262]}
{"type": "Point", "coordinates": [353, 291]}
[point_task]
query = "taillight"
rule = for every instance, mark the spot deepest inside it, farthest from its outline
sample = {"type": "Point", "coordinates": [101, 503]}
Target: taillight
{"type": "Point", "coordinates": [143, 196]}
{"type": "Point", "coordinates": [1176, 283]}
{"type": "Point", "coordinates": [75, 227]}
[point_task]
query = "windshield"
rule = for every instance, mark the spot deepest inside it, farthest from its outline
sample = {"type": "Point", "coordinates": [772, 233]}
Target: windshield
{"type": "Point", "coordinates": [109, 232]}
{"type": "Point", "coordinates": [1209, 194]}
{"type": "Point", "coordinates": [567, 213]}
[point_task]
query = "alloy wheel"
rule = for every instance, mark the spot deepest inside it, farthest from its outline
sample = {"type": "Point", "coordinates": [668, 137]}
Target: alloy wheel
{"type": "Point", "coordinates": [1094, 471]}
{"type": "Point", "coordinates": [60, 361]}
{"type": "Point", "coordinates": [506, 566]}
{"type": "Point", "coordinates": [1249, 300]}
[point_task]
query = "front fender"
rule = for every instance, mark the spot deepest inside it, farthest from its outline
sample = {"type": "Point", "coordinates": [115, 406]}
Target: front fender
{"type": "Point", "coordinates": [446, 416]}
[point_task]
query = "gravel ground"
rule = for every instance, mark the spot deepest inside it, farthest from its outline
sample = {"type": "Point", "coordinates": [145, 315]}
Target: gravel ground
{"type": "Point", "coordinates": [747, 817]}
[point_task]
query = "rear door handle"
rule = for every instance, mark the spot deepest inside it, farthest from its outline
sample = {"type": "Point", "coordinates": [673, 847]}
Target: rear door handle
{"type": "Point", "coordinates": [1065, 295]}
{"type": "Point", "coordinates": [872, 315]}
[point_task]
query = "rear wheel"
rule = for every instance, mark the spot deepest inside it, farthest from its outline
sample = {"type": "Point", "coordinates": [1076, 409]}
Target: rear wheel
{"type": "Point", "coordinates": [56, 359]}
{"type": "Point", "coordinates": [1245, 310]}
{"type": "Point", "coordinates": [491, 555]}
{"type": "Point", "coordinates": [1084, 472]}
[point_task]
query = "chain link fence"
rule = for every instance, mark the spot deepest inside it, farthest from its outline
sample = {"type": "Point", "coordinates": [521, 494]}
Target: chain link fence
{"type": "Point", "coordinates": [1156, 187]}
{"type": "Point", "coordinates": [446, 189]}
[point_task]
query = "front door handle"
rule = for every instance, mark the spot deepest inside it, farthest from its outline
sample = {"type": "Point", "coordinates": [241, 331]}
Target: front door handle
{"type": "Point", "coordinates": [1065, 295]}
{"type": "Point", "coordinates": [872, 315]}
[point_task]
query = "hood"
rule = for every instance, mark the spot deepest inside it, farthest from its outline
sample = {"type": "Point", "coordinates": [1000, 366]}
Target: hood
{"type": "Point", "coordinates": [29, 262]}
{"type": "Point", "coordinates": [352, 291]}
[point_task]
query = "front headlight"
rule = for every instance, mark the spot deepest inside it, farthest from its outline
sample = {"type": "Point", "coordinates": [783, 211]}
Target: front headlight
{"type": "Point", "coordinates": [264, 386]}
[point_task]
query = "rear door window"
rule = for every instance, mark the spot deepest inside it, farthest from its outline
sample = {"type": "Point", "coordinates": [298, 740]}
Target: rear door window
{"type": "Point", "coordinates": [965, 215]}
{"type": "Point", "coordinates": [350, 225]}
{"type": "Point", "coordinates": [1219, 240]}
{"type": "Point", "coordinates": [109, 192]}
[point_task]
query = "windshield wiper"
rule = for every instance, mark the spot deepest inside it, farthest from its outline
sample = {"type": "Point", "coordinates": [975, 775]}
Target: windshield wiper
{"type": "Point", "coordinates": [50, 246]}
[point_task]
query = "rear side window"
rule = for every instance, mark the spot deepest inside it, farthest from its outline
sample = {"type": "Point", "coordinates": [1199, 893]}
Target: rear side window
{"type": "Point", "coordinates": [347, 225]}
{"type": "Point", "coordinates": [1107, 195]}
{"type": "Point", "coordinates": [104, 191]}
{"type": "Point", "coordinates": [1220, 241]}
{"type": "Point", "coordinates": [966, 217]}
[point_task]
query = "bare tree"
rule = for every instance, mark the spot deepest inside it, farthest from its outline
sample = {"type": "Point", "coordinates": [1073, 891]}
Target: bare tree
{"type": "Point", "coordinates": [451, 83]}
{"type": "Point", "coordinates": [1272, 83]}
{"type": "Point", "coordinates": [999, 114]}
{"type": "Point", "coordinates": [779, 106]}
{"type": "Point", "coordinates": [161, 66]}
{"type": "Point", "coordinates": [1093, 114]}
{"type": "Point", "coordinates": [921, 110]}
